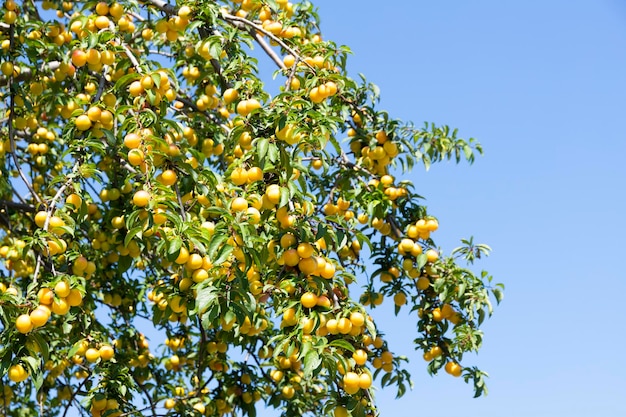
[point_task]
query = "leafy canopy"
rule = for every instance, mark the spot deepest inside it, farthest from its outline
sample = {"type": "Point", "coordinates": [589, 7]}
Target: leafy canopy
{"type": "Point", "coordinates": [177, 239]}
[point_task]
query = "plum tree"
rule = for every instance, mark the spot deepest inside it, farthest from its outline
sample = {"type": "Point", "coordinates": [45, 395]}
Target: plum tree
{"type": "Point", "coordinates": [181, 237]}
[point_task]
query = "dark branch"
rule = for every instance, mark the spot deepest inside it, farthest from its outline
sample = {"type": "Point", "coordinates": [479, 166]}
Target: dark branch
{"type": "Point", "coordinates": [18, 206]}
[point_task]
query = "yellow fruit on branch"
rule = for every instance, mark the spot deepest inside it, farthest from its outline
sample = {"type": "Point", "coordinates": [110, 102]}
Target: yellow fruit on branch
{"type": "Point", "coordinates": [17, 373]}
{"type": "Point", "coordinates": [62, 289]}
{"type": "Point", "coordinates": [83, 122]}
{"type": "Point", "coordinates": [365, 380]}
{"type": "Point", "coordinates": [351, 382]}
{"type": "Point", "coordinates": [432, 255]}
{"type": "Point", "coordinates": [239, 204]}
{"type": "Point", "coordinates": [454, 369]}
{"type": "Point", "coordinates": [40, 316]}
{"type": "Point", "coordinates": [308, 300]}
{"type": "Point", "coordinates": [23, 323]}
{"type": "Point", "coordinates": [92, 354]}
{"type": "Point", "coordinates": [340, 411]}
{"type": "Point", "coordinates": [45, 296]}
{"type": "Point", "coordinates": [106, 352]}
{"type": "Point", "coordinates": [245, 107]}
{"type": "Point", "coordinates": [141, 198]}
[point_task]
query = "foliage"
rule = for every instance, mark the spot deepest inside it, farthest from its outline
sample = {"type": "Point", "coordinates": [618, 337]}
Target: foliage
{"type": "Point", "coordinates": [153, 185]}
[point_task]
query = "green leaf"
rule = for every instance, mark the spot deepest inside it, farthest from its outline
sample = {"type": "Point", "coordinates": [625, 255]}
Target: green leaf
{"type": "Point", "coordinates": [371, 328]}
{"type": "Point", "coordinates": [343, 344]}
{"type": "Point", "coordinates": [215, 46]}
{"type": "Point", "coordinates": [461, 289]}
{"type": "Point", "coordinates": [321, 231]}
{"type": "Point", "coordinates": [467, 150]}
{"type": "Point", "coordinates": [223, 254]}
{"type": "Point", "coordinates": [421, 260]}
{"type": "Point", "coordinates": [174, 248]}
{"type": "Point", "coordinates": [124, 263]}
{"type": "Point", "coordinates": [272, 152]}
{"type": "Point", "coordinates": [74, 349]}
{"type": "Point", "coordinates": [137, 231]}
{"type": "Point", "coordinates": [126, 79]}
{"type": "Point", "coordinates": [312, 363]}
{"type": "Point", "coordinates": [206, 297]}
{"type": "Point", "coordinates": [499, 294]}
{"type": "Point", "coordinates": [284, 197]}
{"type": "Point", "coordinates": [481, 316]}
{"type": "Point", "coordinates": [262, 146]}
{"type": "Point", "coordinates": [216, 242]}
{"type": "Point", "coordinates": [34, 366]}
{"type": "Point", "coordinates": [42, 345]}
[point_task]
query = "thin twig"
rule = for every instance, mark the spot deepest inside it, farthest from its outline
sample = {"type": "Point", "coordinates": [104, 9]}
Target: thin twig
{"type": "Point", "coordinates": [138, 17]}
{"type": "Point", "coordinates": [152, 406]}
{"type": "Point", "coordinates": [201, 352]}
{"type": "Point", "coordinates": [158, 52]}
{"type": "Point", "coordinates": [224, 84]}
{"type": "Point", "coordinates": [50, 210]}
{"type": "Point", "coordinates": [394, 226]}
{"type": "Point", "coordinates": [132, 58]}
{"type": "Point", "coordinates": [292, 73]}
{"type": "Point", "coordinates": [349, 164]}
{"type": "Point", "coordinates": [12, 130]}
{"type": "Point", "coordinates": [187, 102]}
{"type": "Point", "coordinates": [265, 374]}
{"type": "Point", "coordinates": [73, 396]}
{"type": "Point", "coordinates": [140, 410]}
{"type": "Point", "coordinates": [231, 18]}
{"type": "Point", "coordinates": [35, 11]}
{"type": "Point", "coordinates": [40, 399]}
{"type": "Point", "coordinates": [268, 50]}
{"type": "Point", "coordinates": [17, 194]}
{"type": "Point", "coordinates": [180, 203]}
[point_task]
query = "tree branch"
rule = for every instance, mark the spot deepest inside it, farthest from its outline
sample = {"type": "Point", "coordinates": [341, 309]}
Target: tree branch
{"type": "Point", "coordinates": [132, 58]}
{"type": "Point", "coordinates": [239, 21]}
{"type": "Point", "coordinates": [18, 206]}
{"type": "Point", "coordinates": [165, 54]}
{"type": "Point", "coordinates": [183, 215]}
{"type": "Point", "coordinates": [26, 73]}
{"type": "Point", "coordinates": [201, 351]}
{"type": "Point", "coordinates": [73, 396]}
{"type": "Point", "coordinates": [268, 50]}
{"type": "Point", "coordinates": [101, 84]}
{"type": "Point", "coordinates": [12, 130]}
{"type": "Point", "coordinates": [143, 389]}
{"type": "Point", "coordinates": [187, 102]}
{"type": "Point", "coordinates": [163, 6]}
{"type": "Point", "coordinates": [50, 210]}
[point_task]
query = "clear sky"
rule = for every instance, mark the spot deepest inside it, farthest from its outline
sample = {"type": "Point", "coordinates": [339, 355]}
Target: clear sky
{"type": "Point", "coordinates": [542, 85]}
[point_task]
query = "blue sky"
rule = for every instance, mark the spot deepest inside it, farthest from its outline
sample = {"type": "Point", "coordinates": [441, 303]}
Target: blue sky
{"type": "Point", "coordinates": [542, 85]}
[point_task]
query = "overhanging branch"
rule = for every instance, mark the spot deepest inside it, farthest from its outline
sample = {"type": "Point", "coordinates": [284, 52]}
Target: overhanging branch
{"type": "Point", "coordinates": [17, 206]}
